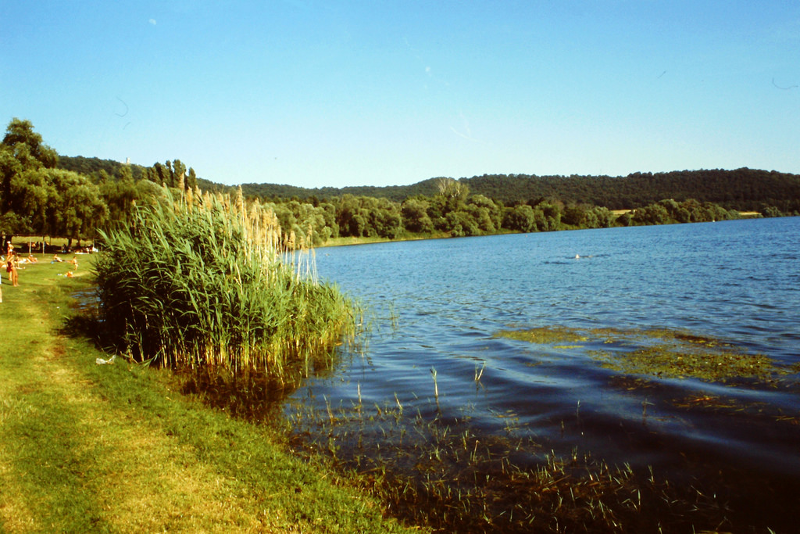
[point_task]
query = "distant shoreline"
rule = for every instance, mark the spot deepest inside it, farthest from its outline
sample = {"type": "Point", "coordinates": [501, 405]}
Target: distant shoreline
{"type": "Point", "coordinates": [351, 241]}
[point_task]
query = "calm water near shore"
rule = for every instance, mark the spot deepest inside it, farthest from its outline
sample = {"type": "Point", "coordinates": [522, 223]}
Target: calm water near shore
{"type": "Point", "coordinates": [440, 304]}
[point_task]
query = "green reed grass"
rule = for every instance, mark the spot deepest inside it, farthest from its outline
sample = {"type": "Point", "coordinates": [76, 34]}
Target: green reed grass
{"type": "Point", "coordinates": [452, 477]}
{"type": "Point", "coordinates": [209, 282]}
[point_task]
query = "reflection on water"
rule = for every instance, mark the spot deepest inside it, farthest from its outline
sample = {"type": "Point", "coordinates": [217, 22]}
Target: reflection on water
{"type": "Point", "coordinates": [439, 304]}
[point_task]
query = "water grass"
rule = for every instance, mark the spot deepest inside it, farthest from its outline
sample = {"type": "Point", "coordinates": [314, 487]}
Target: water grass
{"type": "Point", "coordinates": [207, 282]}
{"type": "Point", "coordinates": [451, 477]}
{"type": "Point", "coordinates": [660, 353]}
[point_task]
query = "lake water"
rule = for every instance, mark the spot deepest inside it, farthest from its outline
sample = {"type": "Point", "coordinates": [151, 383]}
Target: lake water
{"type": "Point", "coordinates": [439, 304]}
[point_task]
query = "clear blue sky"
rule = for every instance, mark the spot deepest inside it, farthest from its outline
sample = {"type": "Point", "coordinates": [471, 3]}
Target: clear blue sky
{"type": "Point", "coordinates": [385, 92]}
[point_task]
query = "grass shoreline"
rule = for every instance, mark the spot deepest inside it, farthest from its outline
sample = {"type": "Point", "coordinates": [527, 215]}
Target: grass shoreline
{"type": "Point", "coordinates": [117, 448]}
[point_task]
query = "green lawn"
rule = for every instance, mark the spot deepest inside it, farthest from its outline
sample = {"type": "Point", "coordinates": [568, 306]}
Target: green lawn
{"type": "Point", "coordinates": [114, 448]}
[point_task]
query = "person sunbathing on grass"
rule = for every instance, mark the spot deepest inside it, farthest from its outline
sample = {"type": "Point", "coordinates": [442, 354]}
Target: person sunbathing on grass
{"type": "Point", "coordinates": [31, 259]}
{"type": "Point", "coordinates": [56, 259]}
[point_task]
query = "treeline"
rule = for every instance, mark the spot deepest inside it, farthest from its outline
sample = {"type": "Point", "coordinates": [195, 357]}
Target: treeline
{"type": "Point", "coordinates": [396, 193]}
{"type": "Point", "coordinates": [453, 211]}
{"type": "Point", "coordinates": [741, 189]}
{"type": "Point", "coordinates": [35, 196]}
{"type": "Point", "coordinates": [101, 170]}
{"type": "Point", "coordinates": [45, 194]}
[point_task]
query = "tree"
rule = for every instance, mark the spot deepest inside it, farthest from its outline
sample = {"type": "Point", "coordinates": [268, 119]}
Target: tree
{"type": "Point", "coordinates": [21, 132]}
{"type": "Point", "coordinates": [178, 174]}
{"type": "Point", "coordinates": [39, 198]}
{"type": "Point", "coordinates": [489, 215]}
{"type": "Point", "coordinates": [24, 189]}
{"type": "Point", "coordinates": [575, 215]}
{"type": "Point", "coordinates": [191, 179]}
{"type": "Point", "coordinates": [120, 197]}
{"type": "Point", "coordinates": [415, 215]}
{"type": "Point", "coordinates": [520, 218]}
{"type": "Point", "coordinates": [454, 191]}
{"type": "Point", "coordinates": [162, 175]}
{"type": "Point", "coordinates": [547, 217]}
{"type": "Point", "coordinates": [30, 195]}
{"type": "Point", "coordinates": [76, 208]}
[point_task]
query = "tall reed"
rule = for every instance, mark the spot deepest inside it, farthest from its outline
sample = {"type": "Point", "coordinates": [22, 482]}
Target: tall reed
{"type": "Point", "coordinates": [205, 281]}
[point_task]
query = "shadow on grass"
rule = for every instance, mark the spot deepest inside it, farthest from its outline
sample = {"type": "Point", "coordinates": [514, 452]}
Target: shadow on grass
{"type": "Point", "coordinates": [252, 395]}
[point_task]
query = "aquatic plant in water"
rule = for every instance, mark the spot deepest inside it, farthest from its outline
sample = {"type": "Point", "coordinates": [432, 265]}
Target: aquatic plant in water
{"type": "Point", "coordinates": [662, 353]}
{"type": "Point", "coordinates": [452, 477]}
{"type": "Point", "coordinates": [205, 282]}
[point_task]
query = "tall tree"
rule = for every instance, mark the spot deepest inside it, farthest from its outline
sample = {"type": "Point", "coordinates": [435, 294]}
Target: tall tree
{"type": "Point", "coordinates": [23, 186]}
{"type": "Point", "coordinates": [178, 174]}
{"type": "Point", "coordinates": [76, 204]}
{"type": "Point", "coordinates": [191, 179]}
{"type": "Point", "coordinates": [38, 198]}
{"type": "Point", "coordinates": [20, 132]}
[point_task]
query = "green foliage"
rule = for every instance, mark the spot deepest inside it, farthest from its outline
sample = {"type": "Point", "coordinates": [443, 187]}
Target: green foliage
{"type": "Point", "coordinates": [669, 212]}
{"type": "Point", "coordinates": [439, 205]}
{"type": "Point", "coordinates": [36, 197]}
{"type": "Point", "coordinates": [200, 283]}
{"type": "Point", "coordinates": [415, 215]}
{"type": "Point", "coordinates": [95, 167]}
{"type": "Point", "coordinates": [366, 217]}
{"type": "Point", "coordinates": [20, 136]}
{"type": "Point", "coordinates": [741, 189]}
{"type": "Point", "coordinates": [76, 209]}
{"type": "Point", "coordinates": [520, 218]}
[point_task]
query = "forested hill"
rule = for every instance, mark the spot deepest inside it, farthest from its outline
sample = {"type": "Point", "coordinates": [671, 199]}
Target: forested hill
{"type": "Point", "coordinates": [741, 189]}
{"type": "Point", "coordinates": [396, 193]}
{"type": "Point", "coordinates": [98, 168]}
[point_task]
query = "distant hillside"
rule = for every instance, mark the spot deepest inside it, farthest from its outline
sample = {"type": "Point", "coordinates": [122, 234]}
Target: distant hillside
{"type": "Point", "coordinates": [92, 167]}
{"type": "Point", "coordinates": [741, 189]}
{"type": "Point", "coordinates": [396, 193]}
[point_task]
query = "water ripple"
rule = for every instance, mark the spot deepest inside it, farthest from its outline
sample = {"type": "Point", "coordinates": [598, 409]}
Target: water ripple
{"type": "Point", "coordinates": [736, 281]}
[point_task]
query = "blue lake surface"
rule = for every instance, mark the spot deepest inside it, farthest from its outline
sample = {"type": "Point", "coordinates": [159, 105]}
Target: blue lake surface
{"type": "Point", "coordinates": [440, 303]}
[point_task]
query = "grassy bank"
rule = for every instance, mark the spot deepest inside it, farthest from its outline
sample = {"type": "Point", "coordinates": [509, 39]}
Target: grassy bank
{"type": "Point", "coordinates": [86, 447]}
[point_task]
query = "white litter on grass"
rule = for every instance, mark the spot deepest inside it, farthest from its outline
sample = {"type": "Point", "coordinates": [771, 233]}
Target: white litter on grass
{"type": "Point", "coordinates": [101, 361]}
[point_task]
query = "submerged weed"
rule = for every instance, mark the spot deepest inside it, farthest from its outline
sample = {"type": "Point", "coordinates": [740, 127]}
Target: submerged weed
{"type": "Point", "coordinates": [454, 478]}
{"type": "Point", "coordinates": [660, 353]}
{"type": "Point", "coordinates": [545, 334]}
{"type": "Point", "coordinates": [676, 360]}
